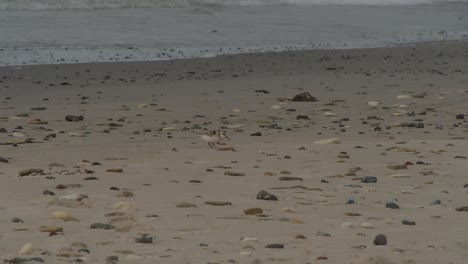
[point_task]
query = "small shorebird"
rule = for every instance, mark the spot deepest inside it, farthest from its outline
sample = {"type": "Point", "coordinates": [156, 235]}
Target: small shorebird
{"type": "Point", "coordinates": [214, 136]}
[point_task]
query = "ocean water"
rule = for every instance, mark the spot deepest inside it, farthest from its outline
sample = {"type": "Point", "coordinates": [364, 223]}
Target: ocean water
{"type": "Point", "coordinates": [72, 31]}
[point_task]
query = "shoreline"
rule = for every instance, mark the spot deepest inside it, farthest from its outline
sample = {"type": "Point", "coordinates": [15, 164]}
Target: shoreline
{"type": "Point", "coordinates": [240, 51]}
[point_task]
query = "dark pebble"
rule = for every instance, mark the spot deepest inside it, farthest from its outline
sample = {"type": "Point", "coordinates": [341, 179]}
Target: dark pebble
{"type": "Point", "coordinates": [369, 179]}
{"type": "Point", "coordinates": [17, 220]}
{"type": "Point", "coordinates": [90, 179]}
{"type": "Point", "coordinates": [460, 116]}
{"type": "Point", "coordinates": [101, 226]}
{"type": "Point", "coordinates": [392, 205]}
{"type": "Point", "coordinates": [274, 246]}
{"type": "Point", "coordinates": [256, 134]}
{"type": "Point", "coordinates": [380, 240]}
{"type": "Point", "coordinates": [47, 192]}
{"type": "Point", "coordinates": [462, 209]}
{"type": "Point", "coordinates": [114, 188]}
{"type": "Point", "coordinates": [263, 195]}
{"type": "Point", "coordinates": [112, 259]}
{"type": "Point", "coordinates": [3, 160]}
{"type": "Point", "coordinates": [407, 222]}
{"type": "Point", "coordinates": [144, 239]}
{"type": "Point", "coordinates": [72, 118]}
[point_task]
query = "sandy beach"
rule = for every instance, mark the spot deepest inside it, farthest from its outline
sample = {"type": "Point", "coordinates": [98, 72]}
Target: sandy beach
{"type": "Point", "coordinates": [103, 162]}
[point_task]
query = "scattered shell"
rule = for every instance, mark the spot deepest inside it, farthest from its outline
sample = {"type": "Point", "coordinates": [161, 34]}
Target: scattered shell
{"type": "Point", "coordinates": [328, 141]}
{"type": "Point", "coordinates": [63, 216]}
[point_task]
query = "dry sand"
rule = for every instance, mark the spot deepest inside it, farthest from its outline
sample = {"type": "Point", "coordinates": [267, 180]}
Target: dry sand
{"type": "Point", "coordinates": [144, 120]}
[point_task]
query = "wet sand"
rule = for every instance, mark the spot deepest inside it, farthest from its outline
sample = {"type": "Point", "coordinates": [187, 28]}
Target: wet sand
{"type": "Point", "coordinates": [135, 163]}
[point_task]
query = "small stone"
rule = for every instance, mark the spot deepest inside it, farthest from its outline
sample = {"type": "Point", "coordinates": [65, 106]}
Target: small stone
{"type": "Point", "coordinates": [392, 205]}
{"type": "Point", "coordinates": [274, 246]}
{"type": "Point", "coordinates": [324, 234]}
{"type": "Point", "coordinates": [47, 192]}
{"type": "Point", "coordinates": [217, 203]}
{"type": "Point", "coordinates": [462, 209]}
{"type": "Point", "coordinates": [3, 160]}
{"type": "Point", "coordinates": [256, 134]}
{"type": "Point", "coordinates": [114, 170]}
{"type": "Point", "coordinates": [436, 202]}
{"type": "Point", "coordinates": [263, 195]}
{"type": "Point", "coordinates": [17, 220]}
{"type": "Point", "coordinates": [304, 97]}
{"type": "Point", "coordinates": [369, 179]}
{"type": "Point", "coordinates": [407, 222]}
{"type": "Point", "coordinates": [51, 229]}
{"type": "Point", "coordinates": [373, 103]}
{"type": "Point", "coordinates": [112, 259]}
{"type": "Point", "coordinates": [28, 172]}
{"type": "Point", "coordinates": [460, 116]}
{"type": "Point", "coordinates": [232, 173]}
{"type": "Point", "coordinates": [102, 226]}
{"type": "Point", "coordinates": [299, 236]}
{"type": "Point", "coordinates": [380, 240]}
{"type": "Point", "coordinates": [92, 178]}
{"type": "Point", "coordinates": [289, 178]}
{"type": "Point", "coordinates": [253, 211]}
{"type": "Point", "coordinates": [72, 118]}
{"type": "Point", "coordinates": [145, 239]}
{"type": "Point", "coordinates": [185, 205]}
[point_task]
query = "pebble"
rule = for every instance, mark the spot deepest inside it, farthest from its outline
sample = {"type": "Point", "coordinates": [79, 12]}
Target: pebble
{"type": "Point", "coordinates": [462, 209]}
{"type": "Point", "coordinates": [380, 240]}
{"type": "Point", "coordinates": [51, 229]}
{"type": "Point", "coordinates": [29, 172]}
{"type": "Point", "coordinates": [101, 226]}
{"type": "Point", "coordinates": [114, 170]}
{"type": "Point", "coordinates": [263, 195]}
{"type": "Point", "coordinates": [460, 116]}
{"type": "Point", "coordinates": [289, 178]}
{"type": "Point", "coordinates": [253, 211]}
{"type": "Point", "coordinates": [3, 160]}
{"type": "Point", "coordinates": [144, 239]}
{"type": "Point", "coordinates": [367, 225]}
{"type": "Point", "coordinates": [185, 205]}
{"type": "Point", "coordinates": [304, 97]}
{"type": "Point", "coordinates": [324, 234]}
{"type": "Point", "coordinates": [392, 205]}
{"type": "Point", "coordinates": [217, 203]}
{"type": "Point", "coordinates": [72, 118]}
{"type": "Point", "coordinates": [436, 202]}
{"type": "Point", "coordinates": [47, 192]}
{"type": "Point", "coordinates": [276, 245]}
{"type": "Point", "coordinates": [369, 179]}
{"type": "Point", "coordinates": [112, 259]}
{"type": "Point", "coordinates": [407, 222]}
{"type": "Point", "coordinates": [373, 103]}
{"type": "Point", "coordinates": [17, 220]}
